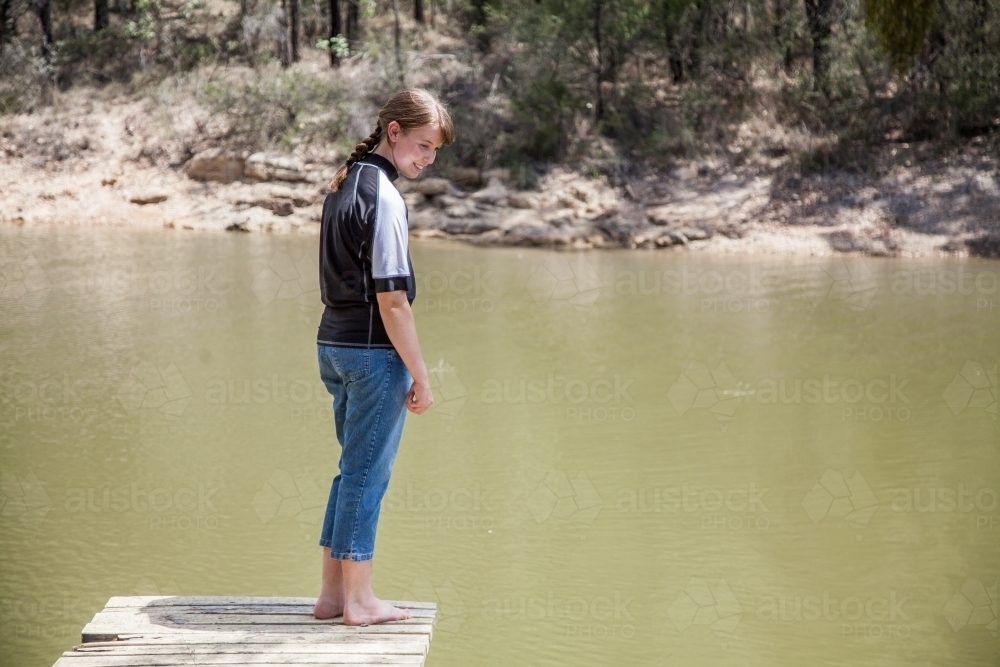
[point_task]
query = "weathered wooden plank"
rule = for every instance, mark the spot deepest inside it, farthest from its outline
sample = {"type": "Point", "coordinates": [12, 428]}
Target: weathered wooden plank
{"type": "Point", "coordinates": [240, 637]}
{"type": "Point", "coordinates": [170, 600]}
{"type": "Point", "coordinates": [300, 659]}
{"type": "Point", "coordinates": [189, 615]}
{"type": "Point", "coordinates": [196, 618]}
{"type": "Point", "coordinates": [107, 632]}
{"type": "Point", "coordinates": [167, 631]}
{"type": "Point", "coordinates": [125, 648]}
{"type": "Point", "coordinates": [206, 609]}
{"type": "Point", "coordinates": [73, 659]}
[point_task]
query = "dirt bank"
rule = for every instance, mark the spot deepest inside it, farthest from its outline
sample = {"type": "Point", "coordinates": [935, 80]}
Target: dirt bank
{"type": "Point", "coordinates": [87, 161]}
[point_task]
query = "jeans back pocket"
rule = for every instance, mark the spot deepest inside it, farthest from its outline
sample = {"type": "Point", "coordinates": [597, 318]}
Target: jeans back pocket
{"type": "Point", "coordinates": [351, 363]}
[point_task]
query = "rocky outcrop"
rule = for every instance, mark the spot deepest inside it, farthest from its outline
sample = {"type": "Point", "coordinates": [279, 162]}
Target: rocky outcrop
{"type": "Point", "coordinates": [148, 197]}
{"type": "Point", "coordinates": [274, 167]}
{"type": "Point", "coordinates": [216, 164]}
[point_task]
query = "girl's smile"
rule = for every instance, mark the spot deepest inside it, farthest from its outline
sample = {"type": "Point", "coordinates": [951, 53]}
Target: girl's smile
{"type": "Point", "coordinates": [411, 152]}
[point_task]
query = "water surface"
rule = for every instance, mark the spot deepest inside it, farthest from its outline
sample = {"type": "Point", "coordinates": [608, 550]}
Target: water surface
{"type": "Point", "coordinates": [642, 458]}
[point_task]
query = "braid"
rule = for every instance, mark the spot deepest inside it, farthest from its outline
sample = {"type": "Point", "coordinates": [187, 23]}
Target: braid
{"type": "Point", "coordinates": [366, 146]}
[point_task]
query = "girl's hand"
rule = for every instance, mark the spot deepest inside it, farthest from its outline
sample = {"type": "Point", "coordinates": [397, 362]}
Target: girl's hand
{"type": "Point", "coordinates": [419, 398]}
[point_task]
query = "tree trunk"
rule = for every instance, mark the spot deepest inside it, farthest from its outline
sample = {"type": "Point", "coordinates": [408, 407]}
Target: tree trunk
{"type": "Point", "coordinates": [5, 20]}
{"type": "Point", "coordinates": [352, 22]}
{"type": "Point", "coordinates": [100, 15]}
{"type": "Point", "coordinates": [676, 67]}
{"type": "Point", "coordinates": [43, 8]}
{"type": "Point", "coordinates": [782, 9]}
{"type": "Point", "coordinates": [284, 52]}
{"type": "Point", "coordinates": [293, 20]}
{"type": "Point", "coordinates": [431, 3]}
{"type": "Point", "coordinates": [335, 29]}
{"type": "Point", "coordinates": [243, 8]}
{"type": "Point", "coordinates": [418, 11]}
{"type": "Point", "coordinates": [395, 38]}
{"type": "Point", "coordinates": [599, 97]}
{"type": "Point", "coordinates": [819, 14]}
{"type": "Point", "coordinates": [700, 35]}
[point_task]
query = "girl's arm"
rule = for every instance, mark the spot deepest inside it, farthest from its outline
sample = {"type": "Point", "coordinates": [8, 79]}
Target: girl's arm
{"type": "Point", "coordinates": [402, 329]}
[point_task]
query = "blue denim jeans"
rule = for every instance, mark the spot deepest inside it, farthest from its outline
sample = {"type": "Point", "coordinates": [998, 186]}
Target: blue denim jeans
{"type": "Point", "coordinates": [369, 387]}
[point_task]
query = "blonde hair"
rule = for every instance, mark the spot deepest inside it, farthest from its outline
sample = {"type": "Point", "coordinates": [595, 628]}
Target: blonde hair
{"type": "Point", "coordinates": [411, 108]}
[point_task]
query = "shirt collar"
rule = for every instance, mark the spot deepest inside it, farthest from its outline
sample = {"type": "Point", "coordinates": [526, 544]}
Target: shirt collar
{"type": "Point", "coordinates": [381, 163]}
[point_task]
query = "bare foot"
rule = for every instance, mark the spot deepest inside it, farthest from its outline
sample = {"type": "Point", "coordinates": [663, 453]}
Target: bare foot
{"type": "Point", "coordinates": [328, 607]}
{"type": "Point", "coordinates": [373, 611]}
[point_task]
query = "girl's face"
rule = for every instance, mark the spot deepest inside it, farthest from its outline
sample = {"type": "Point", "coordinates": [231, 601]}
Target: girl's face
{"type": "Point", "coordinates": [411, 152]}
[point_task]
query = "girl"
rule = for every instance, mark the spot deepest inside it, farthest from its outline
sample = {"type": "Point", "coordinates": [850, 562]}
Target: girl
{"type": "Point", "coordinates": [369, 356]}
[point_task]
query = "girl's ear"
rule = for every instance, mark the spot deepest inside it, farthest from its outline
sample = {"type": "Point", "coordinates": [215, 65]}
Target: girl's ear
{"type": "Point", "coordinates": [393, 130]}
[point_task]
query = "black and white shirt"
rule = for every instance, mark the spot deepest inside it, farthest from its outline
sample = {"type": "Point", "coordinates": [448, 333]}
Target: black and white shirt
{"type": "Point", "coordinates": [363, 249]}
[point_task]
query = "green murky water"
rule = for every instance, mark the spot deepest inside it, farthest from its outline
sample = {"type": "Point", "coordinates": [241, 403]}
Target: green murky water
{"type": "Point", "coordinates": [635, 458]}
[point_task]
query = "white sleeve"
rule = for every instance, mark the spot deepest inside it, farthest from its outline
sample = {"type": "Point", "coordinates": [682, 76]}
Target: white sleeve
{"type": "Point", "coordinates": [390, 236]}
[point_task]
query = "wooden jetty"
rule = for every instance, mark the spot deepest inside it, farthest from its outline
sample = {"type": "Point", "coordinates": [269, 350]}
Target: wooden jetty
{"type": "Point", "coordinates": [148, 631]}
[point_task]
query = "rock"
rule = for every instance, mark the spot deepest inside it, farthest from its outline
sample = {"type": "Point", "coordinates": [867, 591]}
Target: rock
{"type": "Point", "coordinates": [467, 176]}
{"type": "Point", "coordinates": [661, 215]}
{"type": "Point", "coordinates": [844, 241]}
{"type": "Point", "coordinates": [676, 237]}
{"type": "Point", "coordinates": [274, 167]}
{"type": "Point", "coordinates": [237, 227]}
{"type": "Point", "coordinates": [216, 164]}
{"type": "Point", "coordinates": [664, 241]}
{"type": "Point", "coordinates": [695, 233]}
{"type": "Point", "coordinates": [536, 236]}
{"type": "Point", "coordinates": [617, 227]}
{"type": "Point", "coordinates": [468, 226]}
{"type": "Point", "coordinates": [414, 200]}
{"type": "Point", "coordinates": [148, 198]}
{"type": "Point", "coordinates": [494, 193]}
{"type": "Point", "coordinates": [502, 175]}
{"type": "Point", "coordinates": [433, 186]}
{"type": "Point", "coordinates": [987, 245]}
{"type": "Point", "coordinates": [445, 201]}
{"type": "Point", "coordinates": [464, 210]}
{"type": "Point", "coordinates": [282, 208]}
{"type": "Point", "coordinates": [522, 200]}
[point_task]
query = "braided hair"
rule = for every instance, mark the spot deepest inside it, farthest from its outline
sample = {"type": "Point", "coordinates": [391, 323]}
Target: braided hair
{"type": "Point", "coordinates": [411, 108]}
{"type": "Point", "coordinates": [360, 151]}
